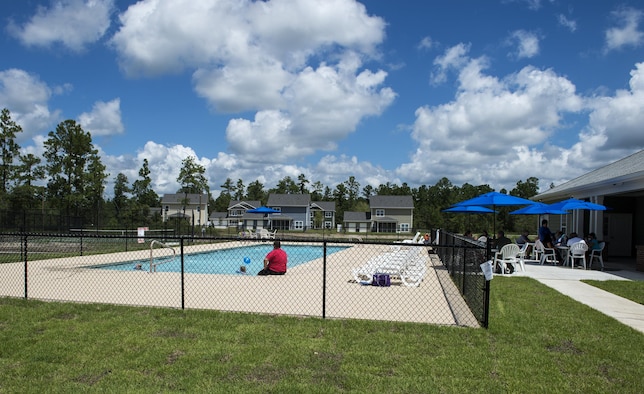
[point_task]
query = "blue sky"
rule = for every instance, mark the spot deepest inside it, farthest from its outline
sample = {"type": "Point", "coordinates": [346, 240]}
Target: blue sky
{"type": "Point", "coordinates": [483, 92]}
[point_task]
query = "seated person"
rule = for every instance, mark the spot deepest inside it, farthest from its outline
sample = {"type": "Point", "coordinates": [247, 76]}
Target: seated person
{"type": "Point", "coordinates": [501, 240]}
{"type": "Point", "coordinates": [523, 238]}
{"type": "Point", "coordinates": [468, 234]}
{"type": "Point", "coordinates": [574, 238]}
{"type": "Point", "coordinates": [426, 239]}
{"type": "Point", "coordinates": [560, 238]}
{"type": "Point", "coordinates": [483, 237]}
{"type": "Point", "coordinates": [593, 244]}
{"type": "Point", "coordinates": [275, 261]}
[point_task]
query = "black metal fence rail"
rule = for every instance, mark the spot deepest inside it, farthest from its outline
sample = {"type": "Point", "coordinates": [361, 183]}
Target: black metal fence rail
{"type": "Point", "coordinates": [462, 258]}
{"type": "Point", "coordinates": [325, 278]}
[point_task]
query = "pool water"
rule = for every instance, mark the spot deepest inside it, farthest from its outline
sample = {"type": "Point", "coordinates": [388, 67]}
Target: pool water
{"type": "Point", "coordinates": [229, 261]}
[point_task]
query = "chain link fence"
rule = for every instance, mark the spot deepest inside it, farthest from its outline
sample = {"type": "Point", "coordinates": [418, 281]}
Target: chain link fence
{"type": "Point", "coordinates": [325, 278]}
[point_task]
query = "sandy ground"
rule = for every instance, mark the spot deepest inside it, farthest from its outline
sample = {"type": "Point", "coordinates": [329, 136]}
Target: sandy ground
{"type": "Point", "coordinates": [300, 292]}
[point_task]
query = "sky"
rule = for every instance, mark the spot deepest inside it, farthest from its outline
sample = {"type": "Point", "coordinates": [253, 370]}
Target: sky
{"type": "Point", "coordinates": [480, 92]}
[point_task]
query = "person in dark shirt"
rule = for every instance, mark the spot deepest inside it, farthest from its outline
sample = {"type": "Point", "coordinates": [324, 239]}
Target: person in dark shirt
{"type": "Point", "coordinates": [501, 240]}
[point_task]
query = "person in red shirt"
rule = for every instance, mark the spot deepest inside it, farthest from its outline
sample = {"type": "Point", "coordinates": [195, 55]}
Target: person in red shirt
{"type": "Point", "coordinates": [275, 261]}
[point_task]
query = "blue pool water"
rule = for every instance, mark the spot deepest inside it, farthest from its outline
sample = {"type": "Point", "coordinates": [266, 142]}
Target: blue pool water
{"type": "Point", "coordinates": [229, 261]}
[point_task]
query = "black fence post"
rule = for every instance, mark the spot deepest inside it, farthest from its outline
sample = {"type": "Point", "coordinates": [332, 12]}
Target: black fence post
{"type": "Point", "coordinates": [324, 279]}
{"type": "Point", "coordinates": [183, 293]}
{"type": "Point", "coordinates": [486, 305]}
{"type": "Point", "coordinates": [24, 240]}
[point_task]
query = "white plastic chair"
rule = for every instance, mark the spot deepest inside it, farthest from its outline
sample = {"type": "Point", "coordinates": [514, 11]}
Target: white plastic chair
{"type": "Point", "coordinates": [578, 252]}
{"type": "Point", "coordinates": [545, 254]}
{"type": "Point", "coordinates": [597, 254]}
{"type": "Point", "coordinates": [523, 256]}
{"type": "Point", "coordinates": [507, 254]}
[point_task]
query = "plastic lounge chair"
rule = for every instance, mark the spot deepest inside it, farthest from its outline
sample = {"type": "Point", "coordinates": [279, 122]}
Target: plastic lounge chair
{"type": "Point", "coordinates": [546, 255]}
{"type": "Point", "coordinates": [597, 254]}
{"type": "Point", "coordinates": [578, 252]}
{"type": "Point", "coordinates": [408, 265]}
{"type": "Point", "coordinates": [414, 240]}
{"type": "Point", "coordinates": [507, 254]}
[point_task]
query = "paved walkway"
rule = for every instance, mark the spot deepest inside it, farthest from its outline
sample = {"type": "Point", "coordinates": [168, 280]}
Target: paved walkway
{"type": "Point", "coordinates": [568, 281]}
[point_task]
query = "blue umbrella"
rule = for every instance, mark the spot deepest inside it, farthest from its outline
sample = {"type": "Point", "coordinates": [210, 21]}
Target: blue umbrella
{"type": "Point", "coordinates": [469, 209]}
{"type": "Point", "coordinates": [539, 209]}
{"type": "Point", "coordinates": [575, 204]}
{"type": "Point", "coordinates": [263, 209]}
{"type": "Point", "coordinates": [495, 199]}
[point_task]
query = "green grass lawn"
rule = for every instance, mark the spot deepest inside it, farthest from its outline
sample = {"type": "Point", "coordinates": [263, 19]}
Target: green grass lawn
{"type": "Point", "coordinates": [633, 290]}
{"type": "Point", "coordinates": [539, 341]}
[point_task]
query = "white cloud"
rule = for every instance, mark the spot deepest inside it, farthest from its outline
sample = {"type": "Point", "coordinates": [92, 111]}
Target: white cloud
{"type": "Point", "coordinates": [105, 118]}
{"type": "Point", "coordinates": [73, 23]}
{"type": "Point", "coordinates": [490, 125]}
{"type": "Point", "coordinates": [567, 23]}
{"type": "Point", "coordinates": [454, 58]}
{"type": "Point", "coordinates": [26, 96]}
{"type": "Point", "coordinates": [628, 33]}
{"type": "Point", "coordinates": [264, 57]}
{"type": "Point", "coordinates": [527, 44]}
{"type": "Point", "coordinates": [426, 43]}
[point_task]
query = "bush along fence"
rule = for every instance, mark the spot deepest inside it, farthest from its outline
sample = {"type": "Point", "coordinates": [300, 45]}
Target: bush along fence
{"type": "Point", "coordinates": [325, 278]}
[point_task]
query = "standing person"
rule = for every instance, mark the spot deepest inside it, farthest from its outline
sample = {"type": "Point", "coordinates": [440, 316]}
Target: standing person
{"type": "Point", "coordinates": [275, 261]}
{"type": "Point", "coordinates": [545, 235]}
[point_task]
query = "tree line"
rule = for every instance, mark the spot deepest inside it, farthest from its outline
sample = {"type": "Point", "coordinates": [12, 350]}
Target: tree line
{"type": "Point", "coordinates": [69, 180]}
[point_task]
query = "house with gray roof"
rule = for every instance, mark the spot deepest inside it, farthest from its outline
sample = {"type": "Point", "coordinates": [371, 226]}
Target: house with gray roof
{"type": "Point", "coordinates": [391, 214]}
{"type": "Point", "coordinates": [357, 222]}
{"type": "Point", "coordinates": [192, 207]}
{"type": "Point", "coordinates": [387, 214]}
{"type": "Point", "coordinates": [620, 187]}
{"type": "Point", "coordinates": [323, 214]}
{"type": "Point", "coordinates": [294, 211]}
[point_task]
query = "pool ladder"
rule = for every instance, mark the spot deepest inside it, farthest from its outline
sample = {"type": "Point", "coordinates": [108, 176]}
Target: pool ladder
{"type": "Point", "coordinates": [153, 266]}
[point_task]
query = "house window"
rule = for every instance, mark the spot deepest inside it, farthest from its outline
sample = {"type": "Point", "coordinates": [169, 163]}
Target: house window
{"type": "Point", "coordinates": [328, 214]}
{"type": "Point", "coordinates": [327, 225]}
{"type": "Point", "coordinates": [404, 227]}
{"type": "Point", "coordinates": [380, 213]}
{"type": "Point", "coordinates": [298, 224]}
{"type": "Point", "coordinates": [236, 212]}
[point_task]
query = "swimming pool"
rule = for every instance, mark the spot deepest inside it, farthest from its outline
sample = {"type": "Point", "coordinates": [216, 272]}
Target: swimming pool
{"type": "Point", "coordinates": [228, 261]}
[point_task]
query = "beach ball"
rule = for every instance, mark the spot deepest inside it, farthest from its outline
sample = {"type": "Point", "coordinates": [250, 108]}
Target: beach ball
{"type": "Point", "coordinates": [247, 260]}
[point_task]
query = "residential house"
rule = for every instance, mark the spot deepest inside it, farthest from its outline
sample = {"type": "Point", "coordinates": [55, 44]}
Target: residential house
{"type": "Point", "coordinates": [187, 206]}
{"type": "Point", "coordinates": [357, 222]}
{"type": "Point", "coordinates": [620, 187]}
{"type": "Point", "coordinates": [323, 214]}
{"type": "Point", "coordinates": [294, 211]}
{"type": "Point", "coordinates": [388, 214]}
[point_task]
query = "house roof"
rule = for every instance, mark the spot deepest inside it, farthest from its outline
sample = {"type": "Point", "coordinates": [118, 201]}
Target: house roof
{"type": "Point", "coordinates": [243, 204]}
{"type": "Point", "coordinates": [324, 205]}
{"type": "Point", "coordinates": [391, 202]}
{"type": "Point", "coordinates": [621, 177]}
{"type": "Point", "coordinates": [289, 200]}
{"type": "Point", "coordinates": [351, 216]}
{"type": "Point", "coordinates": [218, 215]}
{"type": "Point", "coordinates": [178, 198]}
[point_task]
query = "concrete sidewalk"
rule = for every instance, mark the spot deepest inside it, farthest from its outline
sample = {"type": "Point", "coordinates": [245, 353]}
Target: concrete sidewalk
{"type": "Point", "coordinates": [568, 281]}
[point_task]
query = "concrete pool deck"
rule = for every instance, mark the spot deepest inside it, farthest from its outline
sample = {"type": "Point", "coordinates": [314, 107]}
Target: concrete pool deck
{"type": "Point", "coordinates": [299, 292]}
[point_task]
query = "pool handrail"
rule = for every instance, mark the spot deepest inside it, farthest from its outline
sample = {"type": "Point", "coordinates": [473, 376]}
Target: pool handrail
{"type": "Point", "coordinates": [153, 267]}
